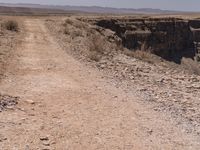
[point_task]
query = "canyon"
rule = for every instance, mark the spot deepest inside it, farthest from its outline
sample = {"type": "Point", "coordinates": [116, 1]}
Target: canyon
{"type": "Point", "coordinates": [169, 38]}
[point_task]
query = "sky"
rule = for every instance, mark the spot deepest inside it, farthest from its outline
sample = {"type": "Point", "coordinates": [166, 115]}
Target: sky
{"type": "Point", "coordinates": [184, 5]}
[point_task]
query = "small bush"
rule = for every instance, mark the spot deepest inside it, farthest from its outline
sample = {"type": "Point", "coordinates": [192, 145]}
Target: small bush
{"type": "Point", "coordinates": [198, 58]}
{"type": "Point", "coordinates": [66, 31]}
{"type": "Point", "coordinates": [191, 65]}
{"type": "Point", "coordinates": [76, 33]}
{"type": "Point", "coordinates": [140, 54]}
{"type": "Point", "coordinates": [96, 44]}
{"type": "Point", "coordinates": [96, 48]}
{"type": "Point", "coordinates": [68, 22]}
{"type": "Point", "coordinates": [95, 56]}
{"type": "Point", "coordinates": [11, 25]}
{"type": "Point", "coordinates": [79, 25]}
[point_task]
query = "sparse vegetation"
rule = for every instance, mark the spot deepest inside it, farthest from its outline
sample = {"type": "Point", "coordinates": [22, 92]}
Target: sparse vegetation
{"type": "Point", "coordinates": [198, 58]}
{"type": "Point", "coordinates": [79, 24]}
{"type": "Point", "coordinates": [67, 31]}
{"type": "Point", "coordinates": [11, 25]}
{"type": "Point", "coordinates": [76, 33]}
{"type": "Point", "coordinates": [68, 22]}
{"type": "Point", "coordinates": [96, 44]}
{"type": "Point", "coordinates": [191, 65]}
{"type": "Point", "coordinates": [71, 28]}
{"type": "Point", "coordinates": [140, 54]}
{"type": "Point", "coordinates": [94, 56]}
{"type": "Point", "coordinates": [72, 32]}
{"type": "Point", "coordinates": [96, 47]}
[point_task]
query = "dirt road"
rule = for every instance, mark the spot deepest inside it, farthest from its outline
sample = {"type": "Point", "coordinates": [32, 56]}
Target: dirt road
{"type": "Point", "coordinates": [66, 105]}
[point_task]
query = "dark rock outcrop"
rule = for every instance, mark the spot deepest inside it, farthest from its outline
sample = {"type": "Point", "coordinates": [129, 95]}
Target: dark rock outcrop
{"type": "Point", "coordinates": [170, 38]}
{"type": "Point", "coordinates": [195, 28]}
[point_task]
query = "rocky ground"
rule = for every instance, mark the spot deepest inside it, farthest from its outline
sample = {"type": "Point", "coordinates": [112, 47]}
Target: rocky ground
{"type": "Point", "coordinates": [164, 86]}
{"type": "Point", "coordinates": [76, 87]}
{"type": "Point", "coordinates": [8, 40]}
{"type": "Point", "coordinates": [7, 102]}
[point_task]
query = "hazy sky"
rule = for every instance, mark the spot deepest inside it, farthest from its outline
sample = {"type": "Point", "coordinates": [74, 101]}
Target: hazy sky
{"type": "Point", "coordinates": [186, 5]}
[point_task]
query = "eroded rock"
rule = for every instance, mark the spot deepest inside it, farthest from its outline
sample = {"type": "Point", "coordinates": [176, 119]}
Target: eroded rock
{"type": "Point", "coordinates": [170, 38]}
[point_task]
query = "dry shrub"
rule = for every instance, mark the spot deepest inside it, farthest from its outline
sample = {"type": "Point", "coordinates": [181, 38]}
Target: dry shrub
{"type": "Point", "coordinates": [68, 22]}
{"type": "Point", "coordinates": [95, 56]}
{"type": "Point", "coordinates": [139, 54]}
{"type": "Point", "coordinates": [143, 47]}
{"type": "Point", "coordinates": [73, 28]}
{"type": "Point", "coordinates": [73, 32]}
{"type": "Point", "coordinates": [11, 25]}
{"type": "Point", "coordinates": [66, 31]}
{"type": "Point", "coordinates": [49, 20]}
{"type": "Point", "coordinates": [75, 23]}
{"type": "Point", "coordinates": [96, 47]}
{"type": "Point", "coordinates": [198, 58]}
{"type": "Point", "coordinates": [79, 24]}
{"type": "Point", "coordinates": [191, 65]}
{"type": "Point", "coordinates": [76, 33]}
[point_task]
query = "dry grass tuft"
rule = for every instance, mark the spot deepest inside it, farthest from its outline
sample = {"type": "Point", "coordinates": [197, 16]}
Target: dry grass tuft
{"type": "Point", "coordinates": [191, 65]}
{"type": "Point", "coordinates": [11, 25]}
{"type": "Point", "coordinates": [73, 32]}
{"type": "Point", "coordinates": [76, 33]}
{"type": "Point", "coordinates": [198, 58]}
{"type": "Point", "coordinates": [68, 22]}
{"type": "Point", "coordinates": [70, 28]}
{"type": "Point", "coordinates": [139, 54]}
{"type": "Point", "coordinates": [66, 31]}
{"type": "Point", "coordinates": [95, 56]}
{"type": "Point", "coordinates": [96, 47]}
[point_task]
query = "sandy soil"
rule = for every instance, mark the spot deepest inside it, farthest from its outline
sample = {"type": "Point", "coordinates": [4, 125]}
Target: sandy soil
{"type": "Point", "coordinates": [67, 105]}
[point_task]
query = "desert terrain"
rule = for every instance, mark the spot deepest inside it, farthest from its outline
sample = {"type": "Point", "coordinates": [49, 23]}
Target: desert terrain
{"type": "Point", "coordinates": [100, 82]}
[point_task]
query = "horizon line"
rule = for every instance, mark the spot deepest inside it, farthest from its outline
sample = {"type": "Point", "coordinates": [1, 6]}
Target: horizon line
{"type": "Point", "coordinates": [172, 10]}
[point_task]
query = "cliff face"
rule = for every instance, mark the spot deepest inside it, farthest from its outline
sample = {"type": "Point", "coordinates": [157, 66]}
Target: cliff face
{"type": "Point", "coordinates": [195, 28]}
{"type": "Point", "coordinates": [170, 38]}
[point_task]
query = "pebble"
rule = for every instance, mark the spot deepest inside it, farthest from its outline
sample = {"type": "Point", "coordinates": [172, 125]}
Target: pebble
{"type": "Point", "coordinates": [2, 138]}
{"type": "Point", "coordinates": [46, 143]}
{"type": "Point", "coordinates": [30, 102]}
{"type": "Point", "coordinates": [22, 109]}
{"type": "Point", "coordinates": [45, 148]}
{"type": "Point", "coordinates": [44, 138]}
{"type": "Point", "coordinates": [53, 142]}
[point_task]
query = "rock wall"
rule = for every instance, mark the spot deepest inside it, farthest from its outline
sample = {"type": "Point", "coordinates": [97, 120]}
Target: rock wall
{"type": "Point", "coordinates": [195, 28]}
{"type": "Point", "coordinates": [170, 38]}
